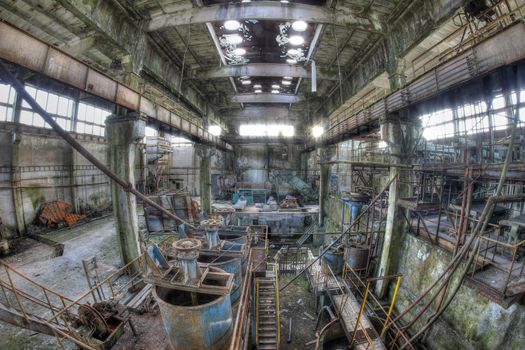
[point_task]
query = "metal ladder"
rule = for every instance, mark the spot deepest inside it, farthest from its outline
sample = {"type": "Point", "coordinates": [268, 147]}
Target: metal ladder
{"type": "Point", "coordinates": [267, 313]}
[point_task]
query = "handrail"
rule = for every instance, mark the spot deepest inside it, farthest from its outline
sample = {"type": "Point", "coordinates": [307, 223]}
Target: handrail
{"type": "Point", "coordinates": [257, 311]}
{"type": "Point", "coordinates": [277, 303]}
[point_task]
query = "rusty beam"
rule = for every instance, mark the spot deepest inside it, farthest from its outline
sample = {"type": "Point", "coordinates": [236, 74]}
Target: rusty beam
{"type": "Point", "coordinates": [29, 52]}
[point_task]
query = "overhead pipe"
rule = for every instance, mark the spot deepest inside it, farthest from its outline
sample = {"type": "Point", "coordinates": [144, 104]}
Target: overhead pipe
{"type": "Point", "coordinates": [128, 187]}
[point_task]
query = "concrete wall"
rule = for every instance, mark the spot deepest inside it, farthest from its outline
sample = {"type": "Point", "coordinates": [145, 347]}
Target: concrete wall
{"type": "Point", "coordinates": [185, 167]}
{"type": "Point", "coordinates": [258, 162]}
{"type": "Point", "coordinates": [471, 321]}
{"type": "Point", "coordinates": [50, 170]}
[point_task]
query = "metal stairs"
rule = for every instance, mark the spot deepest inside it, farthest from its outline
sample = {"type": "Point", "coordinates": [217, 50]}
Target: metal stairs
{"type": "Point", "coordinates": [267, 312]}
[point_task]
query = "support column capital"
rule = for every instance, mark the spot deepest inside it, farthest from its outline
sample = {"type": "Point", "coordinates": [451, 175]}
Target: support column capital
{"type": "Point", "coordinates": [205, 151]}
{"type": "Point", "coordinates": [124, 130]}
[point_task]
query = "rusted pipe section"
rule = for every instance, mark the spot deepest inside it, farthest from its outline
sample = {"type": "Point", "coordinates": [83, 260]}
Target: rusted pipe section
{"type": "Point", "coordinates": [19, 87]}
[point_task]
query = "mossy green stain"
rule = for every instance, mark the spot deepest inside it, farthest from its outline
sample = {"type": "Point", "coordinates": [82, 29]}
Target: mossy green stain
{"type": "Point", "coordinates": [36, 195]}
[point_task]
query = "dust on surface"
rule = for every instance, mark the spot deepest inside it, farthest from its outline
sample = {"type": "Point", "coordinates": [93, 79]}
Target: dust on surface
{"type": "Point", "coordinates": [295, 300]}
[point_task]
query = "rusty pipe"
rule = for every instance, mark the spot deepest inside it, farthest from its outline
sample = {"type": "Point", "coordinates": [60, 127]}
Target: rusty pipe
{"type": "Point", "coordinates": [19, 87]}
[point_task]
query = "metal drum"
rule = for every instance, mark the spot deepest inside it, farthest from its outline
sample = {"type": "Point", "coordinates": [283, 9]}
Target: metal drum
{"type": "Point", "coordinates": [356, 256]}
{"type": "Point", "coordinates": [332, 260]}
{"type": "Point", "coordinates": [228, 264]}
{"type": "Point", "coordinates": [205, 326]}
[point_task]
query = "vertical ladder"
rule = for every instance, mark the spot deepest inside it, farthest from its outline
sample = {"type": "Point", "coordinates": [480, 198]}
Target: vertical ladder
{"type": "Point", "coordinates": [267, 311]}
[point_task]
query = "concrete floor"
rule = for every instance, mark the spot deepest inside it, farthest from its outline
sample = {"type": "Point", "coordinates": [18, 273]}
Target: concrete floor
{"type": "Point", "coordinates": [63, 274]}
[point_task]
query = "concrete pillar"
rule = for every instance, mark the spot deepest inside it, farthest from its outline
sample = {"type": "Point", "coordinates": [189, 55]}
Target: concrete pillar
{"type": "Point", "coordinates": [205, 153]}
{"type": "Point", "coordinates": [324, 154]}
{"type": "Point", "coordinates": [16, 182]}
{"type": "Point", "coordinates": [123, 134]}
{"type": "Point", "coordinates": [400, 136]}
{"type": "Point", "coordinates": [397, 77]}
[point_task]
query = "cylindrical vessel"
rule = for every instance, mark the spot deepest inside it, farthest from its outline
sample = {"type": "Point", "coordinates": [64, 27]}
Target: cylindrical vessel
{"type": "Point", "coordinates": [334, 259]}
{"type": "Point", "coordinates": [228, 264]}
{"type": "Point", "coordinates": [356, 256]}
{"type": "Point", "coordinates": [206, 326]}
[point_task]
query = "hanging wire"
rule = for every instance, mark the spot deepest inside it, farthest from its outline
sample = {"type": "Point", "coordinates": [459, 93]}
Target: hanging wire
{"type": "Point", "coordinates": [338, 66]}
{"type": "Point", "coordinates": [188, 41]}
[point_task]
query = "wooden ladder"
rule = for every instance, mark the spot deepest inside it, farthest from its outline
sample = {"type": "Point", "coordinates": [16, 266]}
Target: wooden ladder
{"type": "Point", "coordinates": [267, 325]}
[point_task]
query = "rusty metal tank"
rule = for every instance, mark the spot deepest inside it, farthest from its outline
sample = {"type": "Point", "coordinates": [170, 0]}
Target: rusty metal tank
{"type": "Point", "coordinates": [228, 264]}
{"type": "Point", "coordinates": [356, 256]}
{"type": "Point", "coordinates": [194, 320]}
{"type": "Point", "coordinates": [206, 326]}
{"type": "Point", "coordinates": [332, 261]}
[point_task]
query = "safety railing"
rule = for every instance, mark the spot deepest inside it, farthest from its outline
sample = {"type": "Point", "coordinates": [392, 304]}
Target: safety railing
{"type": "Point", "coordinates": [277, 303]}
{"type": "Point", "coordinates": [504, 257]}
{"type": "Point", "coordinates": [395, 334]}
{"type": "Point", "coordinates": [37, 302]}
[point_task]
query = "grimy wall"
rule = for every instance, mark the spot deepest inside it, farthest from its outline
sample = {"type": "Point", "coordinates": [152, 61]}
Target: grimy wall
{"type": "Point", "coordinates": [37, 166]}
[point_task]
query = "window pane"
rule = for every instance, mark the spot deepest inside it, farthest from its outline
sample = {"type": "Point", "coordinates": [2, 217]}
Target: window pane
{"type": "Point", "coordinates": [52, 104]}
{"type": "Point", "coordinates": [26, 117]}
{"type": "Point", "coordinates": [81, 114]}
{"type": "Point", "coordinates": [62, 106]}
{"type": "Point", "coordinates": [38, 121]}
{"type": "Point", "coordinates": [41, 98]}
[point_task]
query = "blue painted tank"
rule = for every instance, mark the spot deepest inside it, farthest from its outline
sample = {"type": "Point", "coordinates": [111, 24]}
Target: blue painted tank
{"type": "Point", "coordinates": [334, 259]}
{"type": "Point", "coordinates": [205, 326]}
{"type": "Point", "coordinates": [228, 264]}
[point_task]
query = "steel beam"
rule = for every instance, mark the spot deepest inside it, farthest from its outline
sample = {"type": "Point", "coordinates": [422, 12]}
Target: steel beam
{"type": "Point", "coordinates": [260, 10]}
{"type": "Point", "coordinates": [267, 98]}
{"type": "Point", "coordinates": [22, 49]}
{"type": "Point", "coordinates": [262, 70]}
{"type": "Point", "coordinates": [261, 113]}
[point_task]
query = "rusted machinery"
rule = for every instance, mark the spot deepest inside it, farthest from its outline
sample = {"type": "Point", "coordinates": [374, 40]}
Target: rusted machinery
{"type": "Point", "coordinates": [194, 300]}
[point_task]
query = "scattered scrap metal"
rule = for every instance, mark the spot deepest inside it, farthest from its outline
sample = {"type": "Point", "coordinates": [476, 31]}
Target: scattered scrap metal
{"type": "Point", "coordinates": [56, 213]}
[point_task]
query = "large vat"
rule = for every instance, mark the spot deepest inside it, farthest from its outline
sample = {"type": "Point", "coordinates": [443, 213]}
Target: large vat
{"type": "Point", "coordinates": [205, 326]}
{"type": "Point", "coordinates": [356, 256]}
{"type": "Point", "coordinates": [332, 262]}
{"type": "Point", "coordinates": [228, 264]}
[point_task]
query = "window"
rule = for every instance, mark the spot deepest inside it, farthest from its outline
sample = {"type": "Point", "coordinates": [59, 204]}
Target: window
{"type": "Point", "coordinates": [267, 130]}
{"type": "Point", "coordinates": [177, 141]}
{"type": "Point", "coordinates": [91, 120]}
{"type": "Point", "coordinates": [7, 101]}
{"type": "Point", "coordinates": [59, 107]}
{"type": "Point", "coordinates": [438, 124]}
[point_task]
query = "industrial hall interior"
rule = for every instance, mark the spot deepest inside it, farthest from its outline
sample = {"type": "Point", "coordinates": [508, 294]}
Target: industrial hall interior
{"type": "Point", "coordinates": [262, 174]}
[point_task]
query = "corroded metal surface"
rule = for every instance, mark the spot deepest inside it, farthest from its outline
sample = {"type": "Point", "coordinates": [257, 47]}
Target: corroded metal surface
{"type": "Point", "coordinates": [206, 326]}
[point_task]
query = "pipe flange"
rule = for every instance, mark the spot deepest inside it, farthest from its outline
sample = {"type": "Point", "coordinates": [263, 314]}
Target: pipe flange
{"type": "Point", "coordinates": [187, 248]}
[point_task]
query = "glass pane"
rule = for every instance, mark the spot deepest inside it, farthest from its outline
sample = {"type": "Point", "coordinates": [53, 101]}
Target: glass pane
{"type": "Point", "coordinates": [80, 127]}
{"type": "Point", "coordinates": [4, 93]}
{"type": "Point", "coordinates": [89, 129]}
{"type": "Point", "coordinates": [3, 113]}
{"type": "Point", "coordinates": [41, 98]}
{"type": "Point", "coordinates": [38, 121]}
{"type": "Point", "coordinates": [26, 117]}
{"type": "Point", "coordinates": [52, 104]}
{"type": "Point", "coordinates": [62, 106]}
{"type": "Point", "coordinates": [81, 114]}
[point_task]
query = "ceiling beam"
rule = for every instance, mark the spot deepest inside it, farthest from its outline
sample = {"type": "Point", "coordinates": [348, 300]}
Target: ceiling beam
{"type": "Point", "coordinates": [266, 98]}
{"type": "Point", "coordinates": [261, 10]}
{"type": "Point", "coordinates": [261, 113]}
{"type": "Point", "coordinates": [262, 70]}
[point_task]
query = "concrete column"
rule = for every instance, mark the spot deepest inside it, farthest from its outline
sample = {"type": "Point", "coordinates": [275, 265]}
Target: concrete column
{"type": "Point", "coordinates": [123, 134]}
{"type": "Point", "coordinates": [16, 181]}
{"type": "Point", "coordinates": [397, 77]}
{"type": "Point", "coordinates": [325, 154]}
{"type": "Point", "coordinates": [205, 153]}
{"type": "Point", "coordinates": [400, 136]}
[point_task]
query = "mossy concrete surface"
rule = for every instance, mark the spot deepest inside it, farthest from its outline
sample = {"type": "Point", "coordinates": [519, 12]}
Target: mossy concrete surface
{"type": "Point", "coordinates": [471, 321]}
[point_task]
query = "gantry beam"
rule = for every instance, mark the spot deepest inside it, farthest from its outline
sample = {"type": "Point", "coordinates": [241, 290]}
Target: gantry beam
{"type": "Point", "coordinates": [261, 10]}
{"type": "Point", "coordinates": [266, 98]}
{"type": "Point", "coordinates": [262, 70]}
{"type": "Point", "coordinates": [265, 112]}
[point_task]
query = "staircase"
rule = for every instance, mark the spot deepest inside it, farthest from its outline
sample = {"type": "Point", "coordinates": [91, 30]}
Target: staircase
{"type": "Point", "coordinates": [267, 313]}
{"type": "Point", "coordinates": [308, 231]}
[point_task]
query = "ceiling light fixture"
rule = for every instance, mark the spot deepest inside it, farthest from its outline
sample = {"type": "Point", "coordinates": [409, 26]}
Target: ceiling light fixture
{"type": "Point", "coordinates": [290, 61]}
{"type": "Point", "coordinates": [299, 26]}
{"type": "Point", "coordinates": [257, 86]}
{"type": "Point", "coordinates": [296, 40]}
{"type": "Point", "coordinates": [246, 82]}
{"type": "Point", "coordinates": [234, 39]}
{"type": "Point", "coordinates": [287, 82]}
{"type": "Point", "coordinates": [275, 91]}
{"type": "Point", "coordinates": [258, 91]}
{"type": "Point", "coordinates": [239, 52]}
{"type": "Point", "coordinates": [232, 25]}
{"type": "Point", "coordinates": [275, 86]}
{"type": "Point", "coordinates": [284, 1]}
{"type": "Point", "coordinates": [293, 52]}
{"type": "Point", "coordinates": [288, 78]}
